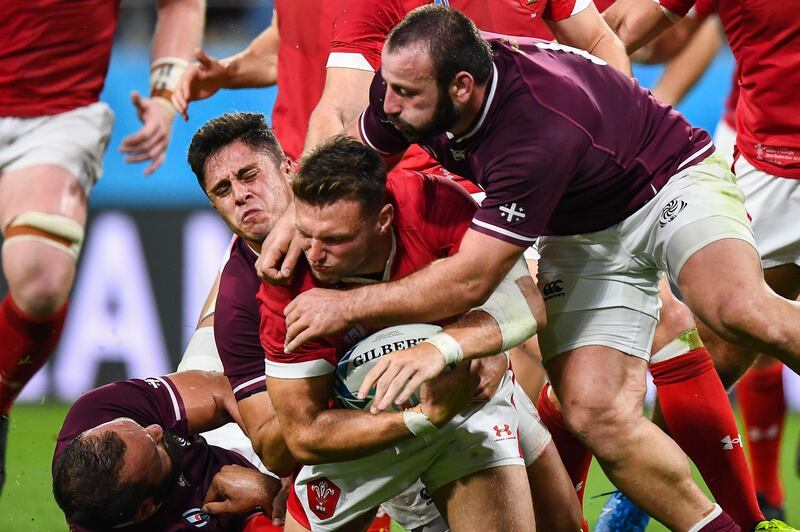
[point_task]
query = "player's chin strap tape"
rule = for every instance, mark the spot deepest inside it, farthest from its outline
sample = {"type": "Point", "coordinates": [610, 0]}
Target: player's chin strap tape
{"type": "Point", "coordinates": [54, 230]}
{"type": "Point", "coordinates": [508, 306]}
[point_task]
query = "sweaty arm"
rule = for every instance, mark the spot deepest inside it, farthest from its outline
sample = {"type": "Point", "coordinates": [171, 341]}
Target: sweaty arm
{"type": "Point", "coordinates": [208, 399]}
{"type": "Point", "coordinates": [256, 65]}
{"type": "Point", "coordinates": [588, 31]}
{"type": "Point", "coordinates": [318, 434]}
{"type": "Point", "coordinates": [261, 426]}
{"type": "Point", "coordinates": [345, 95]}
{"type": "Point", "coordinates": [179, 29]}
{"type": "Point", "coordinates": [510, 316]}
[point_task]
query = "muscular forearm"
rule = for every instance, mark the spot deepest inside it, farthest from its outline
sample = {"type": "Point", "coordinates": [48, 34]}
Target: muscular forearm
{"type": "Point", "coordinates": [179, 29]}
{"type": "Point", "coordinates": [338, 435]}
{"type": "Point", "coordinates": [326, 121]}
{"type": "Point", "coordinates": [262, 427]}
{"type": "Point", "coordinates": [636, 22]}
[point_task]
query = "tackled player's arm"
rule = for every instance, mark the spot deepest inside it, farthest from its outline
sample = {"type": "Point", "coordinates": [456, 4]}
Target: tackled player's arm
{"type": "Point", "coordinates": [261, 426]}
{"type": "Point", "coordinates": [512, 314]}
{"type": "Point", "coordinates": [345, 95]}
{"type": "Point", "coordinates": [208, 399]}
{"type": "Point", "coordinates": [316, 434]}
{"type": "Point", "coordinates": [588, 31]}
{"type": "Point", "coordinates": [637, 22]}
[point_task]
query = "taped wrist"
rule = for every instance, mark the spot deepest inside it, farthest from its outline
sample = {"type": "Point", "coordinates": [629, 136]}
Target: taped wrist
{"type": "Point", "coordinates": [54, 230]}
{"type": "Point", "coordinates": [417, 422]}
{"type": "Point", "coordinates": [165, 74]}
{"type": "Point", "coordinates": [509, 308]}
{"type": "Point", "coordinates": [447, 346]}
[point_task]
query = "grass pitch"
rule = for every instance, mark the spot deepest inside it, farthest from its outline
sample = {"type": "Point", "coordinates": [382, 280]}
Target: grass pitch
{"type": "Point", "coordinates": [27, 501]}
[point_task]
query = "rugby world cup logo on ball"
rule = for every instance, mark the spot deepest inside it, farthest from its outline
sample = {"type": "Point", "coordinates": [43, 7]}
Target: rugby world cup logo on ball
{"type": "Point", "coordinates": [357, 362]}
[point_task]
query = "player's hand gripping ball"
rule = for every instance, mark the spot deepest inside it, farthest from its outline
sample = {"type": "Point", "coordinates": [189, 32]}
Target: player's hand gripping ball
{"type": "Point", "coordinates": [355, 365]}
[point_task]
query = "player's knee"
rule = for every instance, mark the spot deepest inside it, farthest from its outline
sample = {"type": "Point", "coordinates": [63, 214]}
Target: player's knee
{"type": "Point", "coordinates": [741, 321]}
{"type": "Point", "coordinates": [602, 428]}
{"type": "Point", "coordinates": [40, 287]}
{"type": "Point", "coordinates": [675, 317]}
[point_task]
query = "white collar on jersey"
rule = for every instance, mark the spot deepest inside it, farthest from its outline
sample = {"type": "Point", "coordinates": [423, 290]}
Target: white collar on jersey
{"type": "Point", "coordinates": [485, 111]}
{"type": "Point", "coordinates": [387, 269]}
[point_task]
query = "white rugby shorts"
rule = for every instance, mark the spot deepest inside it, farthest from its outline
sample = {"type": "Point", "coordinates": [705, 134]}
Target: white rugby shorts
{"type": "Point", "coordinates": [602, 288]}
{"type": "Point", "coordinates": [483, 437]}
{"type": "Point", "coordinates": [774, 205]}
{"type": "Point", "coordinates": [75, 140]}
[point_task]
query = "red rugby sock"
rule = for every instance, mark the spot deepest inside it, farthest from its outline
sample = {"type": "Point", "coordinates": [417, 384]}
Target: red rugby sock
{"type": "Point", "coordinates": [574, 454]}
{"type": "Point", "coordinates": [25, 345]}
{"type": "Point", "coordinates": [699, 416]}
{"type": "Point", "coordinates": [760, 394]}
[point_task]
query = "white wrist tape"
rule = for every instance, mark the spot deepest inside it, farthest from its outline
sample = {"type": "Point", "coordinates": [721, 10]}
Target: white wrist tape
{"type": "Point", "coordinates": [165, 73]}
{"type": "Point", "coordinates": [508, 306]}
{"type": "Point", "coordinates": [418, 423]}
{"type": "Point", "coordinates": [448, 346]}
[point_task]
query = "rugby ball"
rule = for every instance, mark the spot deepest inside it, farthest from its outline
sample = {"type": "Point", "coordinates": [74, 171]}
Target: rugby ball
{"type": "Point", "coordinates": [357, 362]}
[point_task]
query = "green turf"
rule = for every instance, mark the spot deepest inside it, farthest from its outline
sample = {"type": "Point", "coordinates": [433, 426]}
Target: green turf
{"type": "Point", "coordinates": [27, 502]}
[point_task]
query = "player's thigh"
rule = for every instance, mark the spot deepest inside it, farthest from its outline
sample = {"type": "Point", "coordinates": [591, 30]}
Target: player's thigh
{"type": "Point", "coordinates": [495, 499]}
{"type": "Point", "coordinates": [555, 500]}
{"type": "Point", "coordinates": [43, 188]}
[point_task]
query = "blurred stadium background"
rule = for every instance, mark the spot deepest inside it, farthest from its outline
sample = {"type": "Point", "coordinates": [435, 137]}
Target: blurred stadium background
{"type": "Point", "coordinates": [154, 247]}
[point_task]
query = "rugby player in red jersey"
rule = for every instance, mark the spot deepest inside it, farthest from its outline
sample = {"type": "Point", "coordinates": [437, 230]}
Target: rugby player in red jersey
{"type": "Point", "coordinates": [53, 132]}
{"type": "Point", "coordinates": [358, 227]}
{"type": "Point", "coordinates": [522, 123]}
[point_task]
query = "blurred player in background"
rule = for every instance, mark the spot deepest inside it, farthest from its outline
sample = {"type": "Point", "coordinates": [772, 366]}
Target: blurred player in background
{"type": "Point", "coordinates": [53, 132]}
{"type": "Point", "coordinates": [129, 457]}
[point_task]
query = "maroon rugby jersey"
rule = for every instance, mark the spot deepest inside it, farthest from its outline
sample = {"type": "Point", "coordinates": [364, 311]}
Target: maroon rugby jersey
{"type": "Point", "coordinates": [236, 322]}
{"type": "Point", "coordinates": [563, 144]}
{"type": "Point", "coordinates": [157, 401]}
{"type": "Point", "coordinates": [424, 232]}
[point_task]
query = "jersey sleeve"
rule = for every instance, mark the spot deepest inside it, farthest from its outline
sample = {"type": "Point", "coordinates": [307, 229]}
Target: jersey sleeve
{"type": "Point", "coordinates": [236, 332]}
{"type": "Point", "coordinates": [556, 10]}
{"type": "Point", "coordinates": [313, 359]}
{"type": "Point", "coordinates": [524, 183]}
{"type": "Point", "coordinates": [359, 31]}
{"type": "Point", "coordinates": [373, 125]}
{"type": "Point", "coordinates": [148, 401]}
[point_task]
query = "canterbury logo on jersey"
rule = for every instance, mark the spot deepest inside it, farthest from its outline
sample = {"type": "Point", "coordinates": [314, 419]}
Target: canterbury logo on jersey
{"type": "Point", "coordinates": [553, 289]}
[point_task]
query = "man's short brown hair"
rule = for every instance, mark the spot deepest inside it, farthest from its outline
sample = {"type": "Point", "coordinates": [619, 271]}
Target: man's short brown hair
{"type": "Point", "coordinates": [342, 168]}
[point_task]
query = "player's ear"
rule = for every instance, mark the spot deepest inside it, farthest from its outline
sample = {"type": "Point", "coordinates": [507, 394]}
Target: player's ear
{"type": "Point", "coordinates": [385, 217]}
{"type": "Point", "coordinates": [462, 86]}
{"type": "Point", "coordinates": [145, 510]}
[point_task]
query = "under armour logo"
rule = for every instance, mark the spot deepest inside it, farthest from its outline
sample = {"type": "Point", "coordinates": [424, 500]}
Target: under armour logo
{"type": "Point", "coordinates": [24, 361]}
{"type": "Point", "coordinates": [458, 155]}
{"type": "Point", "coordinates": [153, 382]}
{"type": "Point", "coordinates": [553, 289]}
{"type": "Point", "coordinates": [729, 443]}
{"type": "Point", "coordinates": [504, 429]}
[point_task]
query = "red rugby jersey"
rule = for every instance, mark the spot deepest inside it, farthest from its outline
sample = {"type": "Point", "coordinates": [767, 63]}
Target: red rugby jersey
{"type": "Point", "coordinates": [765, 40]}
{"type": "Point", "coordinates": [54, 54]}
{"type": "Point", "coordinates": [424, 232]}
